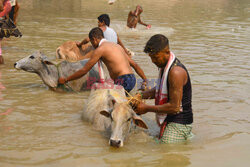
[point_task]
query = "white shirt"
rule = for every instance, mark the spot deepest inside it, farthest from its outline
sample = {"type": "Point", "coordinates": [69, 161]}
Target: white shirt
{"type": "Point", "coordinates": [110, 35]}
{"type": "Point", "coordinates": [102, 40]}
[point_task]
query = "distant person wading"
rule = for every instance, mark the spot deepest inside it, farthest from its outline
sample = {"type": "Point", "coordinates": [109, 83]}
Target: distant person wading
{"type": "Point", "coordinates": [134, 18]}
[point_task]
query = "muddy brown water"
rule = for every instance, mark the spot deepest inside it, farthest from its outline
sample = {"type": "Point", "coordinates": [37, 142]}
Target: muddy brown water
{"type": "Point", "coordinates": [39, 127]}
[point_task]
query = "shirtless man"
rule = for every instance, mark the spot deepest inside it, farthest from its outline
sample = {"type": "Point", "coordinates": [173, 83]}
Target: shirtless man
{"type": "Point", "coordinates": [134, 18]}
{"type": "Point", "coordinates": [114, 57]}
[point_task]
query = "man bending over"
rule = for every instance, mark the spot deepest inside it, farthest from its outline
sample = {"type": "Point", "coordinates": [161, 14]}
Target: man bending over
{"type": "Point", "coordinates": [134, 18]}
{"type": "Point", "coordinates": [114, 57]}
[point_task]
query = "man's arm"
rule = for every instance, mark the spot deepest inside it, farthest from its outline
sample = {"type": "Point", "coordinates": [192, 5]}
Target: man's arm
{"type": "Point", "coordinates": [85, 41]}
{"type": "Point", "coordinates": [177, 78]}
{"type": "Point", "coordinates": [1, 5]}
{"type": "Point", "coordinates": [139, 21]}
{"type": "Point", "coordinates": [96, 55]}
{"type": "Point", "coordinates": [16, 11]}
{"type": "Point", "coordinates": [148, 94]}
{"type": "Point", "coordinates": [121, 44]}
{"type": "Point", "coordinates": [6, 9]}
{"type": "Point", "coordinates": [137, 68]}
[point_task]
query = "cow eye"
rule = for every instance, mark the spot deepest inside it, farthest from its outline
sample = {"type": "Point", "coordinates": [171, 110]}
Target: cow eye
{"type": "Point", "coordinates": [129, 119]}
{"type": "Point", "coordinates": [31, 57]}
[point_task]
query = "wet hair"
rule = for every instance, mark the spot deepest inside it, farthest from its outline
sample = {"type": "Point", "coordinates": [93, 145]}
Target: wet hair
{"type": "Point", "coordinates": [104, 18]}
{"type": "Point", "coordinates": [96, 32]}
{"type": "Point", "coordinates": [156, 43]}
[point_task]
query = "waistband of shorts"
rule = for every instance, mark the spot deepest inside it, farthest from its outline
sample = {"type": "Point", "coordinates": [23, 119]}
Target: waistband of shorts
{"type": "Point", "coordinates": [126, 75]}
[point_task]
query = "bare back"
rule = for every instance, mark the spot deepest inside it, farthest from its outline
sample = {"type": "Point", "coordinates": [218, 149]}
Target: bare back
{"type": "Point", "coordinates": [116, 60]}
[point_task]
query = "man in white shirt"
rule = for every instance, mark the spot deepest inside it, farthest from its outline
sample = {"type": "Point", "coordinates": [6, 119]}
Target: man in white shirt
{"type": "Point", "coordinates": [109, 33]}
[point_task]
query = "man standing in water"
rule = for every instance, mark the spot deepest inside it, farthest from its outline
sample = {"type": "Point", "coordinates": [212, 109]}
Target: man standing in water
{"type": "Point", "coordinates": [109, 33]}
{"type": "Point", "coordinates": [173, 94]}
{"type": "Point", "coordinates": [114, 57]}
{"type": "Point", "coordinates": [5, 8]}
{"type": "Point", "coordinates": [134, 18]}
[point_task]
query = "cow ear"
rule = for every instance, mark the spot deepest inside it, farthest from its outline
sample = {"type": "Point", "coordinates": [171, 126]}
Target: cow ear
{"type": "Point", "coordinates": [44, 59]}
{"type": "Point", "coordinates": [48, 62]}
{"type": "Point", "coordinates": [139, 122]}
{"type": "Point", "coordinates": [105, 113]}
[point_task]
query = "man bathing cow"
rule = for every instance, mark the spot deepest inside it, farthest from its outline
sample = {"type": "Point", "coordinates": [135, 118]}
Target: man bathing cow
{"type": "Point", "coordinates": [50, 71]}
{"type": "Point", "coordinates": [114, 57]}
{"type": "Point", "coordinates": [173, 95]}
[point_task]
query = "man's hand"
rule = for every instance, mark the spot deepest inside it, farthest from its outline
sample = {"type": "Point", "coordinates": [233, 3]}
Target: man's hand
{"type": "Point", "coordinates": [78, 44]}
{"type": "Point", "coordinates": [135, 100]}
{"type": "Point", "coordinates": [141, 109]}
{"type": "Point", "coordinates": [144, 86]}
{"type": "Point", "coordinates": [128, 53]}
{"type": "Point", "coordinates": [110, 2]}
{"type": "Point", "coordinates": [62, 80]}
{"type": "Point", "coordinates": [148, 26]}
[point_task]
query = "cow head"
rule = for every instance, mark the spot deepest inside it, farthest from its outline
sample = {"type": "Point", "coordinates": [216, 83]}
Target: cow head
{"type": "Point", "coordinates": [122, 116]}
{"type": "Point", "coordinates": [38, 63]}
{"type": "Point", "coordinates": [32, 63]}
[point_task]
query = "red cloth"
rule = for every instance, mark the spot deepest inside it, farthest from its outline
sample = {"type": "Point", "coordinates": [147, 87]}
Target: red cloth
{"type": "Point", "coordinates": [6, 8]}
{"type": "Point", "coordinates": [161, 94]}
{"type": "Point", "coordinates": [162, 128]}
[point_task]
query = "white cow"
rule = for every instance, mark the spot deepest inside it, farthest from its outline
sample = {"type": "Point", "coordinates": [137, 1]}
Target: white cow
{"type": "Point", "coordinates": [107, 109]}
